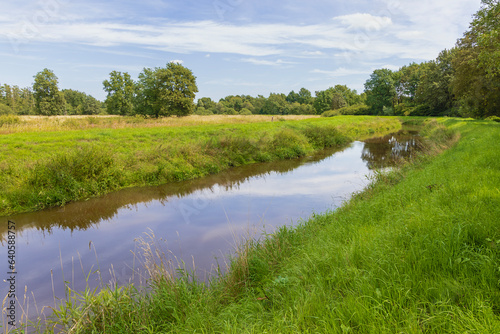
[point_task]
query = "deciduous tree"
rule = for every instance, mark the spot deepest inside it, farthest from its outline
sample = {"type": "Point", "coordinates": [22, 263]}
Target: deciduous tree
{"type": "Point", "coordinates": [166, 91]}
{"type": "Point", "coordinates": [48, 99]}
{"type": "Point", "coordinates": [120, 88]}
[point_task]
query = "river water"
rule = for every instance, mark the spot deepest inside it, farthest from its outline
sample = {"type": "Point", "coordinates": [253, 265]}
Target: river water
{"type": "Point", "coordinates": [199, 219]}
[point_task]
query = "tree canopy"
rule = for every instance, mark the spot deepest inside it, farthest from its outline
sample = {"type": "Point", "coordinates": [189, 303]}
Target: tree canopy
{"type": "Point", "coordinates": [166, 91]}
{"type": "Point", "coordinates": [48, 99]}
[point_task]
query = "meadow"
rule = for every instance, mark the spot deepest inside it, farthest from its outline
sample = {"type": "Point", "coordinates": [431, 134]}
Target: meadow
{"type": "Point", "coordinates": [50, 161]}
{"type": "Point", "coordinates": [418, 251]}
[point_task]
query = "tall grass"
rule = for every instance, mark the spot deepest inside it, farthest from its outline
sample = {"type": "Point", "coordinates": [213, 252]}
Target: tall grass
{"type": "Point", "coordinates": [49, 168]}
{"type": "Point", "coordinates": [17, 124]}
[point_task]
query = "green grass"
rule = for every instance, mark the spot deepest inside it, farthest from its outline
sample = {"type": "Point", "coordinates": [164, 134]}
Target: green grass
{"type": "Point", "coordinates": [40, 169]}
{"type": "Point", "coordinates": [418, 251]}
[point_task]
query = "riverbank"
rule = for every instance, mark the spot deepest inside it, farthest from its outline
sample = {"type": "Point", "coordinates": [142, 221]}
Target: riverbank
{"type": "Point", "coordinates": [417, 251]}
{"type": "Point", "coordinates": [45, 167]}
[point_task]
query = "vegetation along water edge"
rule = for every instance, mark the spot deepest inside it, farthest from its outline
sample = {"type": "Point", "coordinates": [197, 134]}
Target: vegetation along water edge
{"type": "Point", "coordinates": [418, 251]}
{"type": "Point", "coordinates": [40, 169]}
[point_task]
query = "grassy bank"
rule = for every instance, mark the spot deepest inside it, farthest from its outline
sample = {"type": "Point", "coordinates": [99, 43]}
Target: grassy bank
{"type": "Point", "coordinates": [52, 165]}
{"type": "Point", "coordinates": [417, 252]}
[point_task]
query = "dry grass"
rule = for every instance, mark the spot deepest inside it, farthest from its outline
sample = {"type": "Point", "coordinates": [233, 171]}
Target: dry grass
{"type": "Point", "coordinates": [65, 123]}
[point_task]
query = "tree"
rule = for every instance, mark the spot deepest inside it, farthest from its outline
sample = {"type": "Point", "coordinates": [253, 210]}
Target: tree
{"type": "Point", "coordinates": [407, 81]}
{"type": "Point", "coordinates": [48, 99]}
{"type": "Point", "coordinates": [476, 83]}
{"type": "Point", "coordinates": [323, 100]}
{"type": "Point", "coordinates": [380, 90]}
{"type": "Point", "coordinates": [166, 91]}
{"type": "Point", "coordinates": [78, 103]}
{"type": "Point", "coordinates": [433, 89]}
{"type": "Point", "coordinates": [338, 101]}
{"type": "Point", "coordinates": [120, 88]}
{"type": "Point", "coordinates": [275, 105]}
{"type": "Point", "coordinates": [305, 96]}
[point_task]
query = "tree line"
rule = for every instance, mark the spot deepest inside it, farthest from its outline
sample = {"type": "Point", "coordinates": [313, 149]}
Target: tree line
{"type": "Point", "coordinates": [463, 81]}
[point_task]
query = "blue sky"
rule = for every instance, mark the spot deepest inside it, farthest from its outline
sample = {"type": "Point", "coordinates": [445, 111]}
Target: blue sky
{"type": "Point", "coordinates": [233, 47]}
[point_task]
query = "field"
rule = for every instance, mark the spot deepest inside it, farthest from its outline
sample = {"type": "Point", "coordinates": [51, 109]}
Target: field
{"type": "Point", "coordinates": [17, 124]}
{"type": "Point", "coordinates": [48, 162]}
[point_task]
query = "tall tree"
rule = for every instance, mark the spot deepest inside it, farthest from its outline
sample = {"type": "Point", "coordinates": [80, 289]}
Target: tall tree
{"type": "Point", "coordinates": [48, 99]}
{"type": "Point", "coordinates": [305, 96]}
{"type": "Point", "coordinates": [275, 105]}
{"type": "Point", "coordinates": [78, 103]}
{"type": "Point", "coordinates": [477, 63]}
{"type": "Point", "coordinates": [166, 91]}
{"type": "Point", "coordinates": [434, 87]}
{"type": "Point", "coordinates": [120, 88]}
{"type": "Point", "coordinates": [380, 90]}
{"type": "Point", "coordinates": [408, 78]}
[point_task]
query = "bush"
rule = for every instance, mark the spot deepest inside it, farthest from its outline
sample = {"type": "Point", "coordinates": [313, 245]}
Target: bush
{"type": "Point", "coordinates": [331, 113]}
{"type": "Point", "coordinates": [357, 109]}
{"type": "Point", "coordinates": [87, 172]}
{"type": "Point", "coordinates": [245, 111]}
{"type": "Point", "coordinates": [323, 137]}
{"type": "Point", "coordinates": [9, 120]}
{"type": "Point", "coordinates": [289, 144]}
{"type": "Point", "coordinates": [403, 109]}
{"type": "Point", "coordinates": [493, 118]}
{"type": "Point", "coordinates": [5, 109]}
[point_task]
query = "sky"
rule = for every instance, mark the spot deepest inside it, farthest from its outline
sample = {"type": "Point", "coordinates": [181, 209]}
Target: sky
{"type": "Point", "coordinates": [233, 47]}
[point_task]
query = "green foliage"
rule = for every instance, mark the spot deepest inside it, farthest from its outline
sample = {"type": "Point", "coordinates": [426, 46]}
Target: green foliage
{"type": "Point", "coordinates": [380, 90]}
{"type": "Point", "coordinates": [476, 83]}
{"type": "Point", "coordinates": [336, 97]}
{"type": "Point", "coordinates": [245, 111]}
{"type": "Point", "coordinates": [434, 87]}
{"type": "Point", "coordinates": [6, 120]}
{"type": "Point", "coordinates": [78, 103]}
{"type": "Point", "coordinates": [14, 100]}
{"type": "Point", "coordinates": [357, 109]}
{"type": "Point", "coordinates": [84, 173]}
{"type": "Point", "coordinates": [48, 99]}
{"type": "Point", "coordinates": [493, 118]}
{"type": "Point", "coordinates": [166, 91]}
{"type": "Point", "coordinates": [275, 104]}
{"type": "Point", "coordinates": [324, 137]}
{"type": "Point", "coordinates": [120, 88]}
{"type": "Point", "coordinates": [302, 97]}
{"type": "Point", "coordinates": [331, 113]}
{"type": "Point", "coordinates": [5, 109]}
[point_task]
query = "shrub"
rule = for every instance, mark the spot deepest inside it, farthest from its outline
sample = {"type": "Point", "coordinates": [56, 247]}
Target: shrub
{"type": "Point", "coordinates": [5, 110]}
{"type": "Point", "coordinates": [86, 172]}
{"type": "Point", "coordinates": [322, 137]}
{"type": "Point", "coordinates": [289, 144]}
{"type": "Point", "coordinates": [331, 113]}
{"type": "Point", "coordinates": [9, 120]}
{"type": "Point", "coordinates": [493, 118]}
{"type": "Point", "coordinates": [245, 111]}
{"type": "Point", "coordinates": [357, 109]}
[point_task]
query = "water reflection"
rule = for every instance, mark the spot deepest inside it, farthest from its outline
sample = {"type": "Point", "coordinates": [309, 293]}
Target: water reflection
{"type": "Point", "coordinates": [199, 219]}
{"type": "Point", "coordinates": [86, 214]}
{"type": "Point", "coordinates": [386, 151]}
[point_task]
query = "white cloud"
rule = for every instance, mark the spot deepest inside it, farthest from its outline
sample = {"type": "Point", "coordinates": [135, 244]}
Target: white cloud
{"type": "Point", "coordinates": [278, 62]}
{"type": "Point", "coordinates": [364, 21]}
{"type": "Point", "coordinates": [341, 72]}
{"type": "Point", "coordinates": [176, 61]}
{"type": "Point", "coordinates": [358, 32]}
{"type": "Point", "coordinates": [313, 53]}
